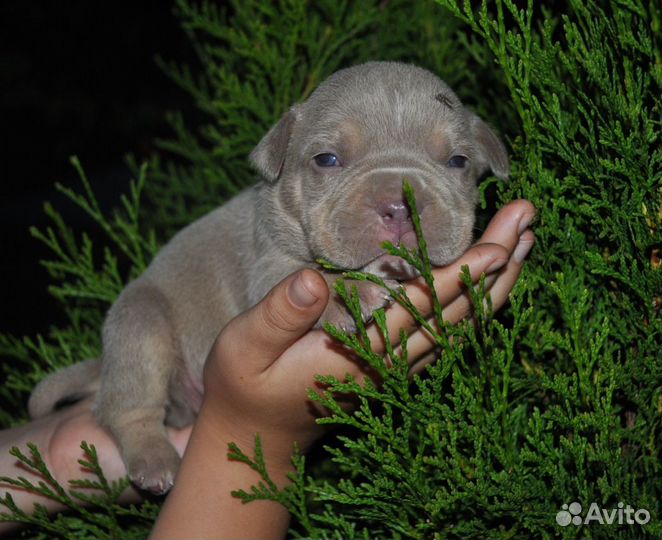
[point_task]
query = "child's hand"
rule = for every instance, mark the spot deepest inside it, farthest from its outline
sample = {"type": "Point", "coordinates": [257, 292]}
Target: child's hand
{"type": "Point", "coordinates": [262, 364]}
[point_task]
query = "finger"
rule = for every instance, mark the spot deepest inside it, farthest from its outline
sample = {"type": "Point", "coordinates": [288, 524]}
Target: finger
{"type": "Point", "coordinates": [506, 228]}
{"type": "Point", "coordinates": [420, 342]}
{"type": "Point", "coordinates": [483, 258]}
{"type": "Point", "coordinates": [508, 224]}
{"type": "Point", "coordinates": [508, 275]}
{"type": "Point", "coordinates": [498, 285]}
{"type": "Point", "coordinates": [288, 311]}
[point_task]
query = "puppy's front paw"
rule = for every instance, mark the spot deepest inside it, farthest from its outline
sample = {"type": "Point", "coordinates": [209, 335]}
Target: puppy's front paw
{"type": "Point", "coordinates": [371, 295]}
{"type": "Point", "coordinates": [154, 468]}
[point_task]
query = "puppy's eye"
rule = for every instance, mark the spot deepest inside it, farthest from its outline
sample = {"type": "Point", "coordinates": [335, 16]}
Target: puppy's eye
{"type": "Point", "coordinates": [457, 162]}
{"type": "Point", "coordinates": [327, 160]}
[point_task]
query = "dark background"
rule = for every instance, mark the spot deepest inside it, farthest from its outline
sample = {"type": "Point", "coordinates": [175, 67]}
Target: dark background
{"type": "Point", "coordinates": [76, 77]}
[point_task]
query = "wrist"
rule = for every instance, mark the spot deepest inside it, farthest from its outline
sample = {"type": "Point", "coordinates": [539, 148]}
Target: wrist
{"type": "Point", "coordinates": [219, 429]}
{"type": "Point", "coordinates": [201, 504]}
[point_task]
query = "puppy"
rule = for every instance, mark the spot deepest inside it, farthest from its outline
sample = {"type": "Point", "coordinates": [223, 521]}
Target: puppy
{"type": "Point", "coordinates": [332, 171]}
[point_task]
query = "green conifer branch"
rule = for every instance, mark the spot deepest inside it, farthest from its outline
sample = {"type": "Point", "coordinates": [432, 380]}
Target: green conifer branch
{"type": "Point", "coordinates": [559, 397]}
{"type": "Point", "coordinates": [96, 514]}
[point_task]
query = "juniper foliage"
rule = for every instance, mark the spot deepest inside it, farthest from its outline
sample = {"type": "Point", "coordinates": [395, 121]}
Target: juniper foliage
{"type": "Point", "coordinates": [93, 503]}
{"type": "Point", "coordinates": [556, 399]}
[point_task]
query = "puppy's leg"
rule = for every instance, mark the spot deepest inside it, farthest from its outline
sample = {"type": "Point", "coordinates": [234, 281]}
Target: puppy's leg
{"type": "Point", "coordinates": [138, 362]}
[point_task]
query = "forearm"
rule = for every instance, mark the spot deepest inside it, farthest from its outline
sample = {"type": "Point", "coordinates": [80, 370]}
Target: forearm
{"type": "Point", "coordinates": [200, 505]}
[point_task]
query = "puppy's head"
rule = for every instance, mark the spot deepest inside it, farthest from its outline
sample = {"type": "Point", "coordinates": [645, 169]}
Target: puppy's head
{"type": "Point", "coordinates": [334, 167]}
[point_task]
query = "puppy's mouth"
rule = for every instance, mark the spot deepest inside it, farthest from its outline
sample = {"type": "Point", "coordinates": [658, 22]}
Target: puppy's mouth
{"type": "Point", "coordinates": [370, 256]}
{"type": "Point", "coordinates": [389, 266]}
{"type": "Point", "coordinates": [399, 233]}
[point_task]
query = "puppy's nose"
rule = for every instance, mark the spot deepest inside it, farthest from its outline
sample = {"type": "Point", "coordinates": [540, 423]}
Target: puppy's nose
{"type": "Point", "coordinates": [395, 216]}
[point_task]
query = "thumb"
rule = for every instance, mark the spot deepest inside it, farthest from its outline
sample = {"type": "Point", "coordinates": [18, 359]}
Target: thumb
{"type": "Point", "coordinates": [285, 314]}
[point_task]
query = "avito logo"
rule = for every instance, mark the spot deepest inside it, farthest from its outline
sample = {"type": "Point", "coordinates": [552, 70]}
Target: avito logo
{"type": "Point", "coordinates": [622, 515]}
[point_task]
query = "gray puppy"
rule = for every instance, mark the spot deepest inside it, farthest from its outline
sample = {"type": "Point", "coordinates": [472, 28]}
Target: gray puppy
{"type": "Point", "coordinates": [332, 172]}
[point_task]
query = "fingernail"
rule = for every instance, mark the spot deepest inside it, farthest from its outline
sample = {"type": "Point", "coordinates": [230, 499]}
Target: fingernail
{"type": "Point", "coordinates": [522, 250]}
{"type": "Point", "coordinates": [299, 293]}
{"type": "Point", "coordinates": [524, 222]}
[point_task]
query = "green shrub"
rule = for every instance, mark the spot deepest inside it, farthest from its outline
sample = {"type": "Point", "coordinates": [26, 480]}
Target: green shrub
{"type": "Point", "coordinates": [555, 400]}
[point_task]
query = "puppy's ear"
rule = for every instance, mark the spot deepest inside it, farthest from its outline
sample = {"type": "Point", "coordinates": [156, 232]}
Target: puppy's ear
{"type": "Point", "coordinates": [268, 156]}
{"type": "Point", "coordinates": [492, 151]}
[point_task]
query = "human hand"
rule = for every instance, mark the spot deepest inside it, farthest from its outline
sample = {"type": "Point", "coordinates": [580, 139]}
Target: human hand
{"type": "Point", "coordinates": [264, 361]}
{"type": "Point", "coordinates": [59, 436]}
